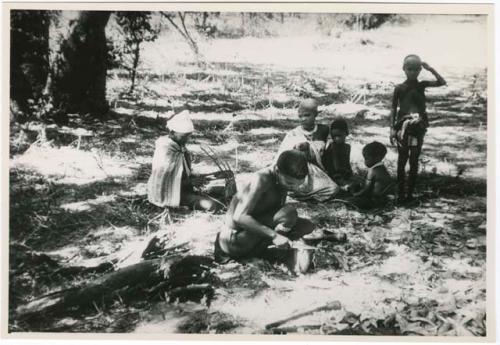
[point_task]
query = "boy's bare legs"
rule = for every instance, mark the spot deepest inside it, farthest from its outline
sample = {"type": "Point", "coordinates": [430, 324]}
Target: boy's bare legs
{"type": "Point", "coordinates": [412, 177]}
{"type": "Point", "coordinates": [403, 155]}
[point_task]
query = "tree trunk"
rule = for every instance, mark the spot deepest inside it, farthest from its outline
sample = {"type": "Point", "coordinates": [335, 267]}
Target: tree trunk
{"type": "Point", "coordinates": [29, 37]}
{"type": "Point", "coordinates": [135, 63]}
{"type": "Point", "coordinates": [77, 78]}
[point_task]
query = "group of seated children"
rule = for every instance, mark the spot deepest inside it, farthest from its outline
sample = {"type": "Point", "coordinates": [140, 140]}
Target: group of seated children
{"type": "Point", "coordinates": [307, 167]}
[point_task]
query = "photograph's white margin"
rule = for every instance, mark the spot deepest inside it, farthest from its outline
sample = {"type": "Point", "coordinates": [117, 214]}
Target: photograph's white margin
{"type": "Point", "coordinates": [423, 7]}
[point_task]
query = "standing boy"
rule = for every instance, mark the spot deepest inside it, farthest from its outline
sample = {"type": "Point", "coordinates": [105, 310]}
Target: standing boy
{"type": "Point", "coordinates": [409, 121]}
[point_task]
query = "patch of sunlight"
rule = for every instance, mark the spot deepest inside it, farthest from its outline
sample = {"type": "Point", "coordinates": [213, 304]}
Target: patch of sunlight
{"type": "Point", "coordinates": [450, 135]}
{"type": "Point", "coordinates": [114, 233]}
{"type": "Point", "coordinates": [228, 146]}
{"type": "Point", "coordinates": [479, 172]}
{"type": "Point", "coordinates": [269, 141]}
{"type": "Point", "coordinates": [66, 253]}
{"type": "Point", "coordinates": [86, 205]}
{"type": "Point", "coordinates": [264, 131]}
{"type": "Point", "coordinates": [165, 318]}
{"type": "Point", "coordinates": [125, 111]}
{"type": "Point", "coordinates": [258, 159]}
{"type": "Point", "coordinates": [139, 189]}
{"type": "Point", "coordinates": [285, 298]}
{"type": "Point", "coordinates": [282, 97]}
{"type": "Point", "coordinates": [130, 252]}
{"type": "Point", "coordinates": [199, 230]}
{"type": "Point", "coordinates": [89, 262]}
{"type": "Point", "coordinates": [462, 266]}
{"type": "Point", "coordinates": [403, 262]}
{"type": "Point", "coordinates": [72, 166]}
{"type": "Point", "coordinates": [444, 168]}
{"type": "Point", "coordinates": [349, 110]}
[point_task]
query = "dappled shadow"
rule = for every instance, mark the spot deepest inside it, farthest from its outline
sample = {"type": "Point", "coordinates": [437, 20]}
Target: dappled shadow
{"type": "Point", "coordinates": [437, 186]}
{"type": "Point", "coordinates": [37, 219]}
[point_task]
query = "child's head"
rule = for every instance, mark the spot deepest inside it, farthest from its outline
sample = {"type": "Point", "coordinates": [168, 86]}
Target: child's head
{"type": "Point", "coordinates": [339, 130]}
{"type": "Point", "coordinates": [291, 169]}
{"type": "Point", "coordinates": [308, 110]}
{"type": "Point", "coordinates": [412, 65]}
{"type": "Point", "coordinates": [373, 153]}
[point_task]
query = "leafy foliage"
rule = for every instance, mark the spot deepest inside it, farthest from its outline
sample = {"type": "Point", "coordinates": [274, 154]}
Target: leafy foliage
{"type": "Point", "coordinates": [136, 28]}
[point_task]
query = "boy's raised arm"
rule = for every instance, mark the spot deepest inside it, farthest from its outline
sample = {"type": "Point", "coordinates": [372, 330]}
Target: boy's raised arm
{"type": "Point", "coordinates": [439, 79]}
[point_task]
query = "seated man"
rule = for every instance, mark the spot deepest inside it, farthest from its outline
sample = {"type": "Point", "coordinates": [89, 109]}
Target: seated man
{"type": "Point", "coordinates": [258, 216]}
{"type": "Point", "coordinates": [171, 182]}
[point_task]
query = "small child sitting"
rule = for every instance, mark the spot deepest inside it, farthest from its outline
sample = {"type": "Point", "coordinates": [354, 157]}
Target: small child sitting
{"type": "Point", "coordinates": [378, 183]}
{"type": "Point", "coordinates": [337, 155]}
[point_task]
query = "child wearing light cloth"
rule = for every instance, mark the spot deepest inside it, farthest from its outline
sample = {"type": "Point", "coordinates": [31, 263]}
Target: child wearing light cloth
{"type": "Point", "coordinates": [378, 182]}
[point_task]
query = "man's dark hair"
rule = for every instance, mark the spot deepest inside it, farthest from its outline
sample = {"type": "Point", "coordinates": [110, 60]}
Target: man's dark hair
{"type": "Point", "coordinates": [293, 163]}
{"type": "Point", "coordinates": [375, 149]}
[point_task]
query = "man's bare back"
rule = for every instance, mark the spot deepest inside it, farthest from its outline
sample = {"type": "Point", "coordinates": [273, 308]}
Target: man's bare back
{"type": "Point", "coordinates": [257, 215]}
{"type": "Point", "coordinates": [269, 197]}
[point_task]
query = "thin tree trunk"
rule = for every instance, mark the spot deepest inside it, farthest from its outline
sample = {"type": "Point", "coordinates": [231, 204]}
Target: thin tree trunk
{"type": "Point", "coordinates": [135, 63]}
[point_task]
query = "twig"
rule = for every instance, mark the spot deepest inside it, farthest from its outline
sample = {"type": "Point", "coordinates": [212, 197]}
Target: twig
{"type": "Point", "coordinates": [212, 157]}
{"type": "Point", "coordinates": [335, 305]}
{"type": "Point", "coordinates": [294, 329]}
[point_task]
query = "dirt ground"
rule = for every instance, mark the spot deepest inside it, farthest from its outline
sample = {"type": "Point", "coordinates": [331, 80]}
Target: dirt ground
{"type": "Point", "coordinates": [416, 270]}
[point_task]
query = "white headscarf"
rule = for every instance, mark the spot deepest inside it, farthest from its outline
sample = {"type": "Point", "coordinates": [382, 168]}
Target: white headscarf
{"type": "Point", "coordinates": [181, 123]}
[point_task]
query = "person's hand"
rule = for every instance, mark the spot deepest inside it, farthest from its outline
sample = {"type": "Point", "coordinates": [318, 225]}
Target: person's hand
{"type": "Point", "coordinates": [282, 228]}
{"type": "Point", "coordinates": [197, 181]}
{"type": "Point", "coordinates": [304, 147]}
{"type": "Point", "coordinates": [426, 66]}
{"type": "Point", "coordinates": [223, 174]}
{"type": "Point", "coordinates": [392, 136]}
{"type": "Point", "coordinates": [281, 241]}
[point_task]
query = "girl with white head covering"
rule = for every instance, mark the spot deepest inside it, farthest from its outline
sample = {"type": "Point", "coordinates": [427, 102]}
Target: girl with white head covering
{"type": "Point", "coordinates": [170, 183]}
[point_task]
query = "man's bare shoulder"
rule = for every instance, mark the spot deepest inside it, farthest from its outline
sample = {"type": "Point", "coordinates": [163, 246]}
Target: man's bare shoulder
{"type": "Point", "coordinates": [263, 176]}
{"type": "Point", "coordinates": [259, 179]}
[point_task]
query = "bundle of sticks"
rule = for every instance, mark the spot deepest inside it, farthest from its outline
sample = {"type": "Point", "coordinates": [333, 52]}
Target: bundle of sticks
{"type": "Point", "coordinates": [224, 172]}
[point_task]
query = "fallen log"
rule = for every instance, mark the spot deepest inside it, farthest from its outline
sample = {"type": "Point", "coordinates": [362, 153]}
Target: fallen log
{"type": "Point", "coordinates": [335, 305]}
{"type": "Point", "coordinates": [138, 281]}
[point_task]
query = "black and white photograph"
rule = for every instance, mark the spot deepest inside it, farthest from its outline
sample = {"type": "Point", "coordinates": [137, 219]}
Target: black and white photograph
{"type": "Point", "coordinates": [200, 170]}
